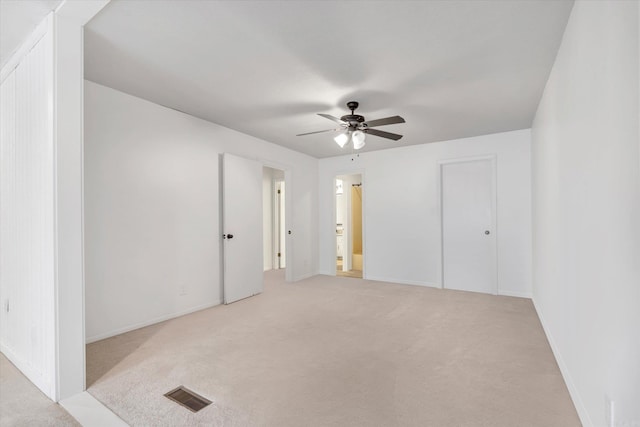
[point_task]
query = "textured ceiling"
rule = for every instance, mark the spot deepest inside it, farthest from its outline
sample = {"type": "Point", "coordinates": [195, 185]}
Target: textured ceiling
{"type": "Point", "coordinates": [18, 18]}
{"type": "Point", "coordinates": [452, 69]}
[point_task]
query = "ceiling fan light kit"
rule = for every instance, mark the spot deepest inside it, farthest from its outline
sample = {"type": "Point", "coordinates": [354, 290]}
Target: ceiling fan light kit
{"type": "Point", "coordinates": [358, 139]}
{"type": "Point", "coordinates": [342, 138]}
{"type": "Point", "coordinates": [355, 128]}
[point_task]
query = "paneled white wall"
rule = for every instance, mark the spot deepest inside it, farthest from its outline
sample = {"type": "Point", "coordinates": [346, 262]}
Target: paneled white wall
{"type": "Point", "coordinates": [152, 209]}
{"type": "Point", "coordinates": [27, 275]}
{"type": "Point", "coordinates": [401, 209]}
{"type": "Point", "coordinates": [586, 210]}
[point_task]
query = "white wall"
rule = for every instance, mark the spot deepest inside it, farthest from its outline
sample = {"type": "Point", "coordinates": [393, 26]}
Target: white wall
{"type": "Point", "coordinates": [586, 210]}
{"type": "Point", "coordinates": [152, 210]}
{"type": "Point", "coordinates": [27, 270]}
{"type": "Point", "coordinates": [402, 230]}
{"type": "Point", "coordinates": [41, 254]}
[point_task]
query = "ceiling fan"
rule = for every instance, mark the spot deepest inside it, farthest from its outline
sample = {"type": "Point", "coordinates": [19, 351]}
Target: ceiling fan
{"type": "Point", "coordinates": [354, 127]}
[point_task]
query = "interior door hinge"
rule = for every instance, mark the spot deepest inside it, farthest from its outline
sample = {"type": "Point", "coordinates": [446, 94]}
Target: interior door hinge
{"type": "Point", "coordinates": [278, 254]}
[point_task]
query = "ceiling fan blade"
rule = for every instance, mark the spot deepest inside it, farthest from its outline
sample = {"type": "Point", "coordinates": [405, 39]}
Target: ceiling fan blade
{"type": "Point", "coordinates": [319, 131]}
{"type": "Point", "coordinates": [332, 118]}
{"type": "Point", "coordinates": [383, 134]}
{"type": "Point", "coordinates": [385, 121]}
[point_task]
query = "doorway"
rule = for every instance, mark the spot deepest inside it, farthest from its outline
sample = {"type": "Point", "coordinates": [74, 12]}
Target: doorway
{"type": "Point", "coordinates": [349, 226]}
{"type": "Point", "coordinates": [274, 214]}
{"type": "Point", "coordinates": [469, 251]}
{"type": "Point", "coordinates": [265, 204]}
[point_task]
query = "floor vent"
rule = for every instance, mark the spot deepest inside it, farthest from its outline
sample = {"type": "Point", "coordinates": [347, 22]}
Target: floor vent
{"type": "Point", "coordinates": [188, 399]}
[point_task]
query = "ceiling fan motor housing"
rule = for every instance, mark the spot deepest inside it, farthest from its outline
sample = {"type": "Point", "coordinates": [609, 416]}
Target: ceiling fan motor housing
{"type": "Point", "coordinates": [352, 119]}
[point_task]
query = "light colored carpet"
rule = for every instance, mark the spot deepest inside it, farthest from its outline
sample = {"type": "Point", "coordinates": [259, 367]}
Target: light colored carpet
{"type": "Point", "coordinates": [23, 404]}
{"type": "Point", "coordinates": [331, 351]}
{"type": "Point", "coordinates": [351, 273]}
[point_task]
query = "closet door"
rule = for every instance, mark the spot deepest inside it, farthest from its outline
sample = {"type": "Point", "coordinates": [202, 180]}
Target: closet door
{"type": "Point", "coordinates": [468, 225]}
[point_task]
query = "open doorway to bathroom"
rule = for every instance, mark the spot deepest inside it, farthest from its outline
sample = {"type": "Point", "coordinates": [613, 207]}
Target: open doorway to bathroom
{"type": "Point", "coordinates": [349, 218]}
{"type": "Point", "coordinates": [273, 213]}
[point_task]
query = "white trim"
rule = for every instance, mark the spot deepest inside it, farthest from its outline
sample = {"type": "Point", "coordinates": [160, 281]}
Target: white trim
{"type": "Point", "coordinates": [88, 411]}
{"type": "Point", "coordinates": [288, 215]}
{"type": "Point", "coordinates": [288, 226]}
{"type": "Point", "coordinates": [573, 391]}
{"type": "Point", "coordinates": [347, 246]}
{"type": "Point", "coordinates": [518, 294]}
{"type": "Point", "coordinates": [275, 238]}
{"type": "Point", "coordinates": [159, 319]}
{"type": "Point", "coordinates": [274, 165]}
{"type": "Point", "coordinates": [467, 159]}
{"type": "Point", "coordinates": [31, 41]}
{"type": "Point", "coordinates": [82, 226]}
{"type": "Point", "coordinates": [334, 222]}
{"type": "Point", "coordinates": [80, 12]}
{"type": "Point", "coordinates": [392, 280]}
{"type": "Point", "coordinates": [53, 28]}
{"type": "Point", "coordinates": [494, 193]}
{"type": "Point", "coordinates": [441, 224]}
{"type": "Point", "coordinates": [363, 208]}
{"type": "Point", "coordinates": [276, 229]}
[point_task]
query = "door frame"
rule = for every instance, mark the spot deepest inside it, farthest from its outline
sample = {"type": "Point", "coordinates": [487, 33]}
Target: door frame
{"type": "Point", "coordinates": [276, 228]}
{"type": "Point", "coordinates": [362, 174]}
{"type": "Point", "coordinates": [288, 215]}
{"type": "Point", "coordinates": [494, 185]}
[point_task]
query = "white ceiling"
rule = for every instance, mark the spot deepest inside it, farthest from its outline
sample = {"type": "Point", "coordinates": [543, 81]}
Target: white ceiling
{"type": "Point", "coordinates": [18, 18]}
{"type": "Point", "coordinates": [451, 68]}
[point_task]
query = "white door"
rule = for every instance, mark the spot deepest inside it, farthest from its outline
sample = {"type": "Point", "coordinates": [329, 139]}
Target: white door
{"type": "Point", "coordinates": [468, 226]}
{"type": "Point", "coordinates": [242, 227]}
{"type": "Point", "coordinates": [281, 234]}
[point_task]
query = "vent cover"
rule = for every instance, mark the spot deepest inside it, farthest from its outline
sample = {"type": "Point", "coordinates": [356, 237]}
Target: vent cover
{"type": "Point", "coordinates": [188, 399]}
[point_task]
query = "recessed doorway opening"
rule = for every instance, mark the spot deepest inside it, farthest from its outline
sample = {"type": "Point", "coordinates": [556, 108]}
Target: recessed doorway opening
{"type": "Point", "coordinates": [274, 229]}
{"type": "Point", "coordinates": [349, 230]}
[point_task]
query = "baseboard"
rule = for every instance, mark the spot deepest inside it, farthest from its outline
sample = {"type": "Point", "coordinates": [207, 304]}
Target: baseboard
{"type": "Point", "coordinates": [403, 282]}
{"type": "Point", "coordinates": [518, 294]}
{"type": "Point", "coordinates": [304, 276]}
{"type": "Point", "coordinates": [153, 321]}
{"type": "Point", "coordinates": [35, 377]}
{"type": "Point", "coordinates": [564, 370]}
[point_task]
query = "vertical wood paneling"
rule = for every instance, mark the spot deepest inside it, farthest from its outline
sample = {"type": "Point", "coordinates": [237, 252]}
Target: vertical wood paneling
{"type": "Point", "coordinates": [8, 262]}
{"type": "Point", "coordinates": [27, 216]}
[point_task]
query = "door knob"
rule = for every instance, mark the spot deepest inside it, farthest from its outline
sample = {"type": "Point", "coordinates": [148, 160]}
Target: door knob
{"type": "Point", "coordinates": [227, 236]}
{"type": "Point", "coordinates": [487, 232]}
